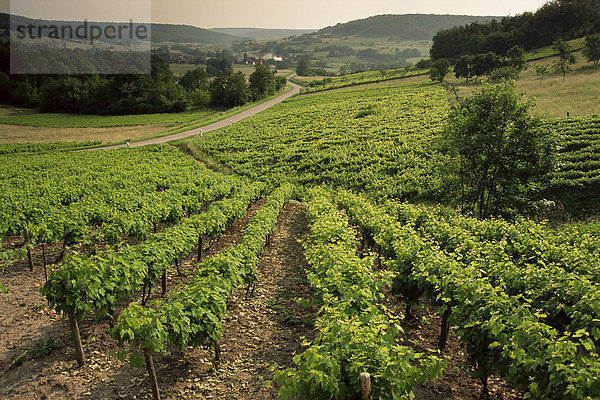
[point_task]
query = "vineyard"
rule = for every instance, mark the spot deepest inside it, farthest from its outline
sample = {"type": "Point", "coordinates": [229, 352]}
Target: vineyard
{"type": "Point", "coordinates": [576, 181]}
{"type": "Point", "coordinates": [377, 140]}
{"type": "Point", "coordinates": [297, 272]}
{"type": "Point", "coordinates": [360, 78]}
{"type": "Point", "coordinates": [111, 225]}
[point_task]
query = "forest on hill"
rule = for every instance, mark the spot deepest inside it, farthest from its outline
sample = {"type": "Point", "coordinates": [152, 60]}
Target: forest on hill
{"type": "Point", "coordinates": [404, 27]}
{"type": "Point", "coordinates": [557, 19]}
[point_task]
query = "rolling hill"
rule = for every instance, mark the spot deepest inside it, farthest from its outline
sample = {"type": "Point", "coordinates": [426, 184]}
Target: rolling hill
{"type": "Point", "coordinates": [399, 27]}
{"type": "Point", "coordinates": [262, 34]}
{"type": "Point", "coordinates": [160, 32]}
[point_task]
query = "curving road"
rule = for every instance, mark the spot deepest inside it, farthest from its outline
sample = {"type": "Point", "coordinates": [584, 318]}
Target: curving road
{"type": "Point", "coordinates": [217, 125]}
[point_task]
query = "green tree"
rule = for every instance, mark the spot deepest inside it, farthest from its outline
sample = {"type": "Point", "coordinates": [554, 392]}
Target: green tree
{"type": "Point", "coordinates": [216, 65]}
{"type": "Point", "coordinates": [199, 98]}
{"type": "Point", "coordinates": [262, 82]}
{"type": "Point", "coordinates": [515, 58]}
{"type": "Point", "coordinates": [280, 82]}
{"type": "Point", "coordinates": [303, 68]}
{"type": "Point", "coordinates": [592, 49]}
{"type": "Point", "coordinates": [484, 64]}
{"type": "Point", "coordinates": [498, 149]}
{"type": "Point", "coordinates": [439, 70]}
{"type": "Point", "coordinates": [194, 79]}
{"type": "Point", "coordinates": [229, 89]}
{"type": "Point", "coordinates": [565, 57]}
{"type": "Point", "coordinates": [542, 71]}
{"type": "Point", "coordinates": [424, 63]}
{"type": "Point", "coordinates": [464, 67]}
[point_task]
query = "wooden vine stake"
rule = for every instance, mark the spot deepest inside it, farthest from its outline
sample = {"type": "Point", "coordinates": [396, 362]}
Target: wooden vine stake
{"type": "Point", "coordinates": [444, 329]}
{"type": "Point", "coordinates": [29, 255]}
{"type": "Point", "coordinates": [365, 385]}
{"type": "Point", "coordinates": [217, 359]}
{"type": "Point", "coordinates": [152, 374]}
{"type": "Point", "coordinates": [76, 339]}
{"type": "Point", "coordinates": [164, 282]}
{"type": "Point", "coordinates": [44, 260]}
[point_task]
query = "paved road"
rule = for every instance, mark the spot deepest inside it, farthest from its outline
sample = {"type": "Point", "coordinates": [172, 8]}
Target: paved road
{"type": "Point", "coordinates": [217, 125]}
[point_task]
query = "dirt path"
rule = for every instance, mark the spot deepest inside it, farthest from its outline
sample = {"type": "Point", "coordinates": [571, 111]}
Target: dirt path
{"type": "Point", "coordinates": [208, 128]}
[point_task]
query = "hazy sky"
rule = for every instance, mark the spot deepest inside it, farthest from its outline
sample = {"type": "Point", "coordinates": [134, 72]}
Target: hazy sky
{"type": "Point", "coordinates": [258, 13]}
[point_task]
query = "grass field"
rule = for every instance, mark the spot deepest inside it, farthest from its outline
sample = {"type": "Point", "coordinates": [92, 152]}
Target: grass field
{"type": "Point", "coordinates": [52, 120]}
{"type": "Point", "coordinates": [23, 134]}
{"type": "Point", "coordinates": [180, 69]}
{"type": "Point", "coordinates": [578, 94]}
{"type": "Point", "coordinates": [49, 128]}
{"type": "Point", "coordinates": [543, 52]}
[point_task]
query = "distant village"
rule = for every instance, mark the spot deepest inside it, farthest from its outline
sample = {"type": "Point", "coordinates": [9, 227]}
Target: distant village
{"type": "Point", "coordinates": [174, 58]}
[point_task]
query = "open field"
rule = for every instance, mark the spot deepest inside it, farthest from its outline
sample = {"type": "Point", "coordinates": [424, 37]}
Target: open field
{"type": "Point", "coordinates": [180, 69]}
{"type": "Point", "coordinates": [377, 139]}
{"type": "Point", "coordinates": [578, 95]}
{"type": "Point", "coordinates": [22, 134]}
{"type": "Point", "coordinates": [52, 120]}
{"type": "Point", "coordinates": [45, 128]}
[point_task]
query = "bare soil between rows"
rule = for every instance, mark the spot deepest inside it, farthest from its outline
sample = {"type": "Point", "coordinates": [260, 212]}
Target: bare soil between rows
{"type": "Point", "coordinates": [261, 332]}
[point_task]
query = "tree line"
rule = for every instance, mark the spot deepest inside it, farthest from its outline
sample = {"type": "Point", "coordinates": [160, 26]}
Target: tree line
{"type": "Point", "coordinates": [499, 68]}
{"type": "Point", "coordinates": [157, 92]}
{"type": "Point", "coordinates": [557, 19]}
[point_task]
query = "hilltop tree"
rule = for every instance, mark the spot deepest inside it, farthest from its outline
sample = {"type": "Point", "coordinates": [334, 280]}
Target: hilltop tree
{"type": "Point", "coordinates": [565, 57]}
{"type": "Point", "coordinates": [498, 148]}
{"type": "Point", "coordinates": [592, 49]}
{"type": "Point", "coordinates": [439, 69]}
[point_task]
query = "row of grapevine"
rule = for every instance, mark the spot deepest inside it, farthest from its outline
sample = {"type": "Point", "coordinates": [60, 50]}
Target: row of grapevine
{"type": "Point", "coordinates": [192, 316]}
{"type": "Point", "coordinates": [355, 331]}
{"type": "Point", "coordinates": [102, 196]}
{"type": "Point", "coordinates": [101, 282]}
{"type": "Point", "coordinates": [379, 140]}
{"type": "Point", "coordinates": [578, 159]}
{"type": "Point", "coordinates": [524, 240]}
{"type": "Point", "coordinates": [557, 279]}
{"type": "Point", "coordinates": [502, 333]}
{"type": "Point", "coordinates": [360, 78]}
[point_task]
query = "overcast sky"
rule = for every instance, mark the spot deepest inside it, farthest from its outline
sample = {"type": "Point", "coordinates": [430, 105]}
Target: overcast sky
{"type": "Point", "coordinates": [310, 14]}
